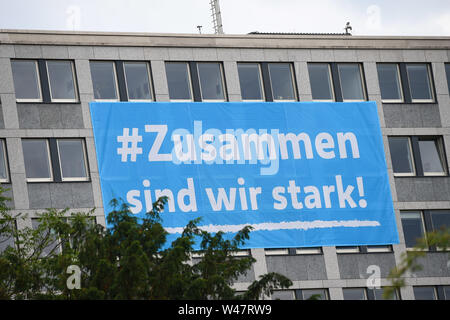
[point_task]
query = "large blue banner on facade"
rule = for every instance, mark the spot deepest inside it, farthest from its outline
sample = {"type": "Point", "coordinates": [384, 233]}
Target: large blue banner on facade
{"type": "Point", "coordinates": [300, 173]}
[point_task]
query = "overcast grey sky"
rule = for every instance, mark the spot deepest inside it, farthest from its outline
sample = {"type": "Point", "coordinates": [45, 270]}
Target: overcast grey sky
{"type": "Point", "coordinates": [375, 17]}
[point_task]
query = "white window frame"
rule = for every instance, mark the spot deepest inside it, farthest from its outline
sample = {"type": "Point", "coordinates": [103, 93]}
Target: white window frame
{"type": "Point", "coordinates": [379, 248]}
{"type": "Point", "coordinates": [189, 81]}
{"type": "Point", "coordinates": [149, 81]}
{"type": "Point", "coordinates": [40, 99]}
{"type": "Point", "coordinates": [50, 179]}
{"type": "Point", "coordinates": [402, 97]}
{"type": "Point", "coordinates": [75, 88]}
{"type": "Point", "coordinates": [333, 95]}
{"type": "Point", "coordinates": [405, 174]}
{"type": "Point", "coordinates": [361, 78]}
{"type": "Point", "coordinates": [222, 78]}
{"type": "Point", "coordinates": [115, 81]}
{"type": "Point", "coordinates": [276, 251]}
{"type": "Point", "coordinates": [292, 81]}
{"type": "Point", "coordinates": [261, 83]}
{"type": "Point", "coordinates": [348, 249]}
{"type": "Point", "coordinates": [5, 159]}
{"type": "Point", "coordinates": [440, 150]}
{"type": "Point", "coordinates": [430, 82]}
{"type": "Point", "coordinates": [308, 250]}
{"type": "Point", "coordinates": [83, 146]}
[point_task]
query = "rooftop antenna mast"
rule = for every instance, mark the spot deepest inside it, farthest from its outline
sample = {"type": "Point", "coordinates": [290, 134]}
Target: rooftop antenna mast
{"type": "Point", "coordinates": [216, 16]}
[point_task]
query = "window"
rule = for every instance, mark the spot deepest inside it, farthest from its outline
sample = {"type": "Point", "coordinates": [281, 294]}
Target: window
{"type": "Point", "coordinates": [389, 80]}
{"type": "Point", "coordinates": [347, 249]}
{"type": "Point", "coordinates": [351, 82]}
{"type": "Point", "coordinates": [377, 294]}
{"type": "Point", "coordinates": [37, 159]}
{"type": "Point", "coordinates": [137, 79]}
{"type": "Point", "coordinates": [416, 223]}
{"type": "Point", "coordinates": [401, 155]}
{"type": "Point", "coordinates": [61, 78]}
{"type": "Point", "coordinates": [267, 81]}
{"type": "Point", "coordinates": [311, 294]}
{"type": "Point", "coordinates": [418, 155]}
{"type": "Point", "coordinates": [310, 250]}
{"type": "Point", "coordinates": [72, 159]}
{"type": "Point", "coordinates": [425, 293]}
{"type": "Point", "coordinates": [104, 80]}
{"type": "Point", "coordinates": [293, 251]}
{"type": "Point", "coordinates": [364, 249]}
{"type": "Point", "coordinates": [44, 81]}
{"type": "Point", "coordinates": [276, 252]}
{"type": "Point", "coordinates": [413, 227]}
{"type": "Point", "coordinates": [432, 156]}
{"type": "Point", "coordinates": [366, 294]}
{"type": "Point", "coordinates": [55, 160]}
{"type": "Point", "coordinates": [282, 81]}
{"type": "Point", "coordinates": [179, 81]}
{"type": "Point", "coordinates": [440, 219]}
{"type": "Point", "coordinates": [321, 82]}
{"type": "Point", "coordinates": [26, 80]}
{"type": "Point", "coordinates": [354, 293]}
{"type": "Point", "coordinates": [4, 177]}
{"type": "Point", "coordinates": [250, 80]}
{"type": "Point", "coordinates": [336, 81]}
{"type": "Point", "coordinates": [419, 81]}
{"type": "Point", "coordinates": [211, 81]}
{"type": "Point", "coordinates": [405, 82]}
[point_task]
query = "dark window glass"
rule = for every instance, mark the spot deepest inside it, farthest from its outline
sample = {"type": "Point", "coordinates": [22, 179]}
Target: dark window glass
{"type": "Point", "coordinates": [402, 161]}
{"type": "Point", "coordinates": [36, 157]}
{"type": "Point", "coordinates": [351, 81]}
{"type": "Point", "coordinates": [61, 79]}
{"type": "Point", "coordinates": [211, 84]}
{"type": "Point", "coordinates": [104, 80]}
{"type": "Point", "coordinates": [72, 158]}
{"type": "Point", "coordinates": [440, 219]}
{"type": "Point", "coordinates": [378, 294]}
{"type": "Point", "coordinates": [447, 292]}
{"type": "Point", "coordinates": [354, 294]}
{"type": "Point", "coordinates": [178, 81]}
{"type": "Point", "coordinates": [419, 82]}
{"type": "Point", "coordinates": [137, 80]}
{"type": "Point", "coordinates": [320, 80]}
{"type": "Point", "coordinates": [282, 81]}
{"type": "Point", "coordinates": [412, 227]}
{"type": "Point", "coordinates": [424, 293]}
{"type": "Point", "coordinates": [26, 79]}
{"type": "Point", "coordinates": [432, 156]}
{"type": "Point", "coordinates": [314, 294]}
{"type": "Point", "coordinates": [388, 77]}
{"type": "Point", "coordinates": [250, 81]}
{"type": "Point", "coordinates": [3, 168]}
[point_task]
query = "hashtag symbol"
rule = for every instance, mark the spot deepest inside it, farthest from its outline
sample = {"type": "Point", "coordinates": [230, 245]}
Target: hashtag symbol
{"type": "Point", "coordinates": [126, 140]}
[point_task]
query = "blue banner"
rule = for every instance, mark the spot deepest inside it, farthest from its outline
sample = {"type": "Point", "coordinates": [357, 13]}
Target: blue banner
{"type": "Point", "coordinates": [301, 173]}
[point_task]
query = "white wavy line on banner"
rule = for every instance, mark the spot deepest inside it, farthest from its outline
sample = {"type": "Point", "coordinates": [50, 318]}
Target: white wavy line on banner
{"type": "Point", "coordinates": [272, 226]}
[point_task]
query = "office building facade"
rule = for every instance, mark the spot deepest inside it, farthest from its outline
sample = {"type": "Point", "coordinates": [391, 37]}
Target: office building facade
{"type": "Point", "coordinates": [48, 157]}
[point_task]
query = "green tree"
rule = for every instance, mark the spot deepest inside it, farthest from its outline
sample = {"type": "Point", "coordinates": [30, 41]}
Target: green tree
{"type": "Point", "coordinates": [129, 260]}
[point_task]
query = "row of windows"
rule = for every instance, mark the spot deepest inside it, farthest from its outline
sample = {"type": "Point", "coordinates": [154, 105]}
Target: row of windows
{"type": "Point", "coordinates": [55, 81]}
{"type": "Point", "coordinates": [420, 293]}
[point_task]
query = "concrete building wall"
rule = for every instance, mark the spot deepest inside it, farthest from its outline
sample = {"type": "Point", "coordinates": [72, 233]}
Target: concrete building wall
{"type": "Point", "coordinates": [329, 269]}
